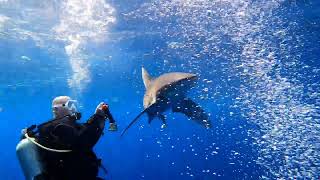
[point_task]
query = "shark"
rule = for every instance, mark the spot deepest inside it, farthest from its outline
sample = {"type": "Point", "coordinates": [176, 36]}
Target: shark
{"type": "Point", "coordinates": [169, 91]}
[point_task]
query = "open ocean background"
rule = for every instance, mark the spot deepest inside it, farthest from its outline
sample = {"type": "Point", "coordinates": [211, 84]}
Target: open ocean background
{"type": "Point", "coordinates": [259, 78]}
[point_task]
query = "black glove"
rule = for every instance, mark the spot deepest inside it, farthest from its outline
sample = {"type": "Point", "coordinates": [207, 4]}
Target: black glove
{"type": "Point", "coordinates": [103, 110]}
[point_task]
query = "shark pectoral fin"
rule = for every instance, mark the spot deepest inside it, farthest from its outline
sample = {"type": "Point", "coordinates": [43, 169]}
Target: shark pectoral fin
{"type": "Point", "coordinates": [193, 111]}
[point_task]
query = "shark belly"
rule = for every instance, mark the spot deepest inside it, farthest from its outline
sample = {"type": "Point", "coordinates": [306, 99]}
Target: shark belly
{"type": "Point", "coordinates": [157, 110]}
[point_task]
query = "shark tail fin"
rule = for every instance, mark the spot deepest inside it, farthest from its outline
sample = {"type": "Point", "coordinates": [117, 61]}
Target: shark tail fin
{"type": "Point", "coordinates": [193, 111]}
{"type": "Point", "coordinates": [146, 78]}
{"type": "Point", "coordinates": [132, 122]}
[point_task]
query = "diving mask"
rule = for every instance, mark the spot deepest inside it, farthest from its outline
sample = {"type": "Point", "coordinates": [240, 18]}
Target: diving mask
{"type": "Point", "coordinates": [70, 105]}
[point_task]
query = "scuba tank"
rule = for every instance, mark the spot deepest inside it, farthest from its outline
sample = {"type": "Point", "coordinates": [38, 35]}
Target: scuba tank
{"type": "Point", "coordinates": [29, 158]}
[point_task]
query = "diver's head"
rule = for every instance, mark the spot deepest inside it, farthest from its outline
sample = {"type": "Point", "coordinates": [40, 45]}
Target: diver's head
{"type": "Point", "coordinates": [63, 106]}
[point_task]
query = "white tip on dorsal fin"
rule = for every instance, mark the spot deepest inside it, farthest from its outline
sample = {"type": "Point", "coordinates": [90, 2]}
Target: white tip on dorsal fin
{"type": "Point", "coordinates": [146, 78]}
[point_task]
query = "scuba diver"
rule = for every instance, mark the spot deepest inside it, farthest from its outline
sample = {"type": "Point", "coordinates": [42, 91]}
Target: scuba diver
{"type": "Point", "coordinates": [62, 148]}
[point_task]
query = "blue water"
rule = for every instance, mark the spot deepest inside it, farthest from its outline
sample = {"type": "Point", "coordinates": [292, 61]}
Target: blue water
{"type": "Point", "coordinates": [258, 68]}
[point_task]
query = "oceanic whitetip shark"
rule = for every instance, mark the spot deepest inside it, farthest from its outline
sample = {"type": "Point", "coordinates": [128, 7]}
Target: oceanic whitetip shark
{"type": "Point", "coordinates": [169, 91]}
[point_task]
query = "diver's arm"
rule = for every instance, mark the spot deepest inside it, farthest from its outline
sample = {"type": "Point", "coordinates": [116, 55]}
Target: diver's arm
{"type": "Point", "coordinates": [97, 120]}
{"type": "Point", "coordinates": [66, 134]}
{"type": "Point", "coordinates": [86, 135]}
{"type": "Point", "coordinates": [83, 136]}
{"type": "Point", "coordinates": [109, 116]}
{"type": "Point", "coordinates": [103, 110]}
{"type": "Point", "coordinates": [91, 131]}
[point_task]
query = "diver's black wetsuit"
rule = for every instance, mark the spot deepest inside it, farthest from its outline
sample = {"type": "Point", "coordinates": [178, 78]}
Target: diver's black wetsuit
{"type": "Point", "coordinates": [66, 133]}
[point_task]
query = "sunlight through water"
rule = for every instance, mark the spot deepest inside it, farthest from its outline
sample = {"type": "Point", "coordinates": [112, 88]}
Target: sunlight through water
{"type": "Point", "coordinates": [73, 24]}
{"type": "Point", "coordinates": [248, 54]}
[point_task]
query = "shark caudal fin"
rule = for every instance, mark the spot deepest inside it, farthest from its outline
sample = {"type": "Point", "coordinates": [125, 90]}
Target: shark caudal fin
{"type": "Point", "coordinates": [132, 122]}
{"type": "Point", "coordinates": [193, 111]}
{"type": "Point", "coordinates": [146, 78]}
{"type": "Point", "coordinates": [136, 119]}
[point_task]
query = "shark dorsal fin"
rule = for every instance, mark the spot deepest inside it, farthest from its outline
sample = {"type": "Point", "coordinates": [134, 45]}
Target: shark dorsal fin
{"type": "Point", "coordinates": [146, 78]}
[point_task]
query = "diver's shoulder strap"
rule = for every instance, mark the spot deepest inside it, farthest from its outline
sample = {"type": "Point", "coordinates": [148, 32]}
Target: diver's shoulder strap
{"type": "Point", "coordinates": [75, 116]}
{"type": "Point", "coordinates": [50, 121]}
{"type": "Point", "coordinates": [31, 131]}
{"type": "Point", "coordinates": [34, 129]}
{"type": "Point", "coordinates": [43, 147]}
{"type": "Point", "coordinates": [40, 126]}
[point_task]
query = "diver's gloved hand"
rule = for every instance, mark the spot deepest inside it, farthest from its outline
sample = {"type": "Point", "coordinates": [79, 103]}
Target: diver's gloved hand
{"type": "Point", "coordinates": [102, 109]}
{"type": "Point", "coordinates": [113, 127]}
